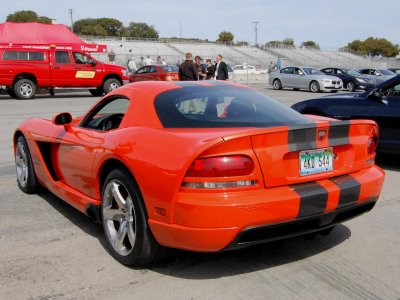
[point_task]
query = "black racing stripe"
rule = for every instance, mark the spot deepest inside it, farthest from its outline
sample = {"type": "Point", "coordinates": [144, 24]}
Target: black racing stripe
{"type": "Point", "coordinates": [313, 198]}
{"type": "Point", "coordinates": [339, 133]}
{"type": "Point", "coordinates": [349, 189]}
{"type": "Point", "coordinates": [302, 138]}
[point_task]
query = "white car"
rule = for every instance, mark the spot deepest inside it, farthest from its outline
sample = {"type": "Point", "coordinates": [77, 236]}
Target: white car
{"type": "Point", "coordinates": [247, 69]}
{"type": "Point", "coordinates": [304, 78]}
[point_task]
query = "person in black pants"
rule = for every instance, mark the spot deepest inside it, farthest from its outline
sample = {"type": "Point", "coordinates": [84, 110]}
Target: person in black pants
{"type": "Point", "coordinates": [221, 70]}
{"type": "Point", "coordinates": [210, 71]}
{"type": "Point", "coordinates": [187, 70]}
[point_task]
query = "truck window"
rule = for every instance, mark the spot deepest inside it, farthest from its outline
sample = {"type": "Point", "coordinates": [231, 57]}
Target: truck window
{"type": "Point", "coordinates": [62, 57]}
{"type": "Point", "coordinates": [23, 55]}
{"type": "Point", "coordinates": [80, 58]}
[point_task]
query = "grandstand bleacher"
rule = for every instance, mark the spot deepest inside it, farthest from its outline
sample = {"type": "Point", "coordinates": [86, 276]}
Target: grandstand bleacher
{"type": "Point", "coordinates": [174, 51]}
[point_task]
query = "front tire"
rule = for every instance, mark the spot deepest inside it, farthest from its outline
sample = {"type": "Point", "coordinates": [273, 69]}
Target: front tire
{"type": "Point", "coordinates": [351, 87]}
{"type": "Point", "coordinates": [314, 87]}
{"type": "Point", "coordinates": [26, 177]}
{"type": "Point", "coordinates": [25, 89]}
{"type": "Point", "coordinates": [111, 85]}
{"type": "Point", "coordinates": [128, 236]}
{"type": "Point", "coordinates": [277, 84]}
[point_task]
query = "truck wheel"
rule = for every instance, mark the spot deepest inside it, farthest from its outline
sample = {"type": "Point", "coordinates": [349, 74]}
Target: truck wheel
{"type": "Point", "coordinates": [110, 85]}
{"type": "Point", "coordinates": [96, 92]}
{"type": "Point", "coordinates": [25, 89]}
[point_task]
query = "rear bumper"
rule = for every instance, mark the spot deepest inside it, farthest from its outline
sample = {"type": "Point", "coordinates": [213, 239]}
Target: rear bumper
{"type": "Point", "coordinates": [209, 222]}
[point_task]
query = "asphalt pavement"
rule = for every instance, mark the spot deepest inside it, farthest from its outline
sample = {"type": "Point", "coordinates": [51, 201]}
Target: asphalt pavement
{"type": "Point", "coordinates": [48, 250]}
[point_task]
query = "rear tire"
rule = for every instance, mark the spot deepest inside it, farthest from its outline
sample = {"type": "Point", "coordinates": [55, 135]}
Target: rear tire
{"type": "Point", "coordinates": [111, 85]}
{"type": "Point", "coordinates": [127, 233]}
{"type": "Point", "coordinates": [314, 87]}
{"type": "Point", "coordinates": [96, 92]}
{"type": "Point", "coordinates": [277, 85]}
{"type": "Point", "coordinates": [26, 177]}
{"type": "Point", "coordinates": [25, 89]}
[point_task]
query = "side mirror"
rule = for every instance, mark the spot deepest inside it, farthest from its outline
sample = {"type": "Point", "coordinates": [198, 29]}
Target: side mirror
{"type": "Point", "coordinates": [64, 118]}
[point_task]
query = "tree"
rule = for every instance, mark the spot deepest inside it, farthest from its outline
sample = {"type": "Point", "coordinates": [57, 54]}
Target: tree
{"type": "Point", "coordinates": [374, 46]}
{"type": "Point", "coordinates": [288, 42]}
{"type": "Point", "coordinates": [113, 27]}
{"type": "Point", "coordinates": [24, 16]}
{"type": "Point", "coordinates": [310, 44]}
{"type": "Point", "coordinates": [225, 37]}
{"type": "Point", "coordinates": [141, 30]}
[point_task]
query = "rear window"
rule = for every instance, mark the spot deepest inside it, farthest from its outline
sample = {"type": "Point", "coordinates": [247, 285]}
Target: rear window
{"type": "Point", "coordinates": [222, 106]}
{"type": "Point", "coordinates": [23, 55]}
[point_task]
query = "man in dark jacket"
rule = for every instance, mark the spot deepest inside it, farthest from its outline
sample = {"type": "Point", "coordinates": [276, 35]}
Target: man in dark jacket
{"type": "Point", "coordinates": [221, 70]}
{"type": "Point", "coordinates": [187, 70]}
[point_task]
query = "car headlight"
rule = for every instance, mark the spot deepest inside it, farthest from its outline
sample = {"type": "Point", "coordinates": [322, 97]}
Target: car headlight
{"type": "Point", "coordinates": [326, 81]}
{"type": "Point", "coordinates": [124, 72]}
{"type": "Point", "coordinates": [360, 80]}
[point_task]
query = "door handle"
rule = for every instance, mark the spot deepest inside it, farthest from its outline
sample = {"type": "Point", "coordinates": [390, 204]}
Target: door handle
{"type": "Point", "coordinates": [76, 68]}
{"type": "Point", "coordinates": [56, 67]}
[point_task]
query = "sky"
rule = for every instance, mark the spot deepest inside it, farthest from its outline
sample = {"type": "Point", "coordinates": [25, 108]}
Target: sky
{"type": "Point", "coordinates": [331, 24]}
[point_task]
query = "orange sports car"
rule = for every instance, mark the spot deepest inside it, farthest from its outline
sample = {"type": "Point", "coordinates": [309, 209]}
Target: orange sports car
{"type": "Point", "coordinates": [201, 166]}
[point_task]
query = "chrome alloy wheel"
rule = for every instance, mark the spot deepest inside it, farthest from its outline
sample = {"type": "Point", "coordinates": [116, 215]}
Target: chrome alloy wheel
{"type": "Point", "coordinates": [114, 86]}
{"type": "Point", "coordinates": [119, 217]}
{"type": "Point", "coordinates": [21, 163]}
{"type": "Point", "coordinates": [26, 90]}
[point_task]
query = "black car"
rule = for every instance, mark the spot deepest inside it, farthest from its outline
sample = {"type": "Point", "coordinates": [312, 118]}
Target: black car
{"type": "Point", "coordinates": [352, 80]}
{"type": "Point", "coordinates": [381, 104]}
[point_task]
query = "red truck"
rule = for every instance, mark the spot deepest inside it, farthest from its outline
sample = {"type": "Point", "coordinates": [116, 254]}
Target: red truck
{"type": "Point", "coordinates": [24, 71]}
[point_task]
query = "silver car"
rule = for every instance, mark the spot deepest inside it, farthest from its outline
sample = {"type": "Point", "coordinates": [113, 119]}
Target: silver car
{"type": "Point", "coordinates": [304, 78]}
{"type": "Point", "coordinates": [379, 75]}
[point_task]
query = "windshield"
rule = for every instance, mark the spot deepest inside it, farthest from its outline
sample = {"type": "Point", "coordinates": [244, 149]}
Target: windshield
{"type": "Point", "coordinates": [312, 71]}
{"type": "Point", "coordinates": [351, 72]}
{"type": "Point", "coordinates": [222, 106]}
{"type": "Point", "coordinates": [387, 72]}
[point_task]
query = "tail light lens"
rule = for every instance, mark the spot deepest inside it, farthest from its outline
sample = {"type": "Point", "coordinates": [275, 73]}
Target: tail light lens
{"type": "Point", "coordinates": [372, 141]}
{"type": "Point", "coordinates": [221, 166]}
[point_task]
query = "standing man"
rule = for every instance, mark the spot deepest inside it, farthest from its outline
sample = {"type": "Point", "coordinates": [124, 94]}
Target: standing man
{"type": "Point", "coordinates": [221, 70]}
{"type": "Point", "coordinates": [111, 57]}
{"type": "Point", "coordinates": [201, 71]}
{"type": "Point", "coordinates": [148, 61]}
{"type": "Point", "coordinates": [210, 70]}
{"type": "Point", "coordinates": [187, 70]}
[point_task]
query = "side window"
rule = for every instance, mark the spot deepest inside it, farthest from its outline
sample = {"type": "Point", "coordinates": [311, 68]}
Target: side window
{"type": "Point", "coordinates": [327, 71]}
{"type": "Point", "coordinates": [23, 55]}
{"type": "Point", "coordinates": [143, 70]}
{"type": "Point", "coordinates": [153, 70]}
{"type": "Point", "coordinates": [287, 70]}
{"type": "Point", "coordinates": [393, 92]}
{"type": "Point", "coordinates": [107, 115]}
{"type": "Point", "coordinates": [339, 71]}
{"type": "Point", "coordinates": [80, 58]}
{"type": "Point", "coordinates": [62, 57]}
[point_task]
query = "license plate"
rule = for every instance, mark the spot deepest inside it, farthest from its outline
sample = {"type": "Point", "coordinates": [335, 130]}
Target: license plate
{"type": "Point", "coordinates": [316, 161]}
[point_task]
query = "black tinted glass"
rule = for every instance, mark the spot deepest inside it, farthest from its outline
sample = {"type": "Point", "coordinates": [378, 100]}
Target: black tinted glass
{"type": "Point", "coordinates": [222, 106]}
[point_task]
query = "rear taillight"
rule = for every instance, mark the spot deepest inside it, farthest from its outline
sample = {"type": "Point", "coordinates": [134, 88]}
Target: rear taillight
{"type": "Point", "coordinates": [223, 169]}
{"type": "Point", "coordinates": [221, 166]}
{"type": "Point", "coordinates": [372, 141]}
